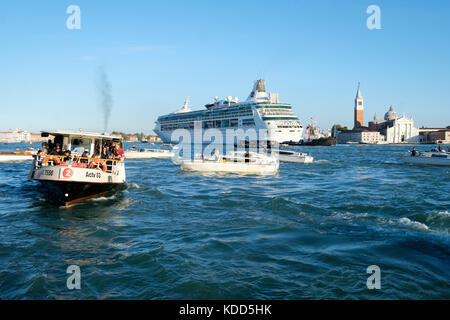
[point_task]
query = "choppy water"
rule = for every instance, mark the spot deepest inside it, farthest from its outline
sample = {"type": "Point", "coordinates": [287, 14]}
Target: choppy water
{"type": "Point", "coordinates": [309, 232]}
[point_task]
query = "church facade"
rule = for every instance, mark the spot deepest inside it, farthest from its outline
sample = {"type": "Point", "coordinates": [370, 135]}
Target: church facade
{"type": "Point", "coordinates": [392, 129]}
{"type": "Point", "coordinates": [396, 129]}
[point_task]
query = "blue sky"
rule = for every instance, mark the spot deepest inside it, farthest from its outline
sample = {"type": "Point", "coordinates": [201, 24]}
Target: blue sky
{"type": "Point", "coordinates": [156, 53]}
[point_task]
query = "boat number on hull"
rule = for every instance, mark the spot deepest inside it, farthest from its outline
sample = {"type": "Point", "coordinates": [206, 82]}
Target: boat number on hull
{"type": "Point", "coordinates": [93, 175]}
{"type": "Point", "coordinates": [67, 173]}
{"type": "Point", "coordinates": [48, 172]}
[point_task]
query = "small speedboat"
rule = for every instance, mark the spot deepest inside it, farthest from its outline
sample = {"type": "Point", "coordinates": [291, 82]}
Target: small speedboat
{"type": "Point", "coordinates": [148, 153]}
{"type": "Point", "coordinates": [428, 158]}
{"type": "Point", "coordinates": [26, 155]}
{"type": "Point", "coordinates": [292, 156]}
{"type": "Point", "coordinates": [243, 162]}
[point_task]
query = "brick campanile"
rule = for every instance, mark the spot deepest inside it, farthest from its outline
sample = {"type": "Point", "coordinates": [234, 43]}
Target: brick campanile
{"type": "Point", "coordinates": [359, 109]}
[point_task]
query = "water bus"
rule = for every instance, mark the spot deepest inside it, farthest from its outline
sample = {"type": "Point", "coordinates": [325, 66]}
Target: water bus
{"type": "Point", "coordinates": [82, 174]}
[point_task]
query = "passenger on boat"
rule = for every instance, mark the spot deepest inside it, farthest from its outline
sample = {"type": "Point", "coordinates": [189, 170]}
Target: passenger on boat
{"type": "Point", "coordinates": [50, 145]}
{"type": "Point", "coordinates": [414, 152]}
{"type": "Point", "coordinates": [84, 157]}
{"type": "Point", "coordinates": [439, 149]}
{"type": "Point", "coordinates": [118, 153]}
{"type": "Point", "coordinates": [56, 150]}
{"type": "Point", "coordinates": [44, 148]}
{"type": "Point", "coordinates": [104, 154]}
{"type": "Point", "coordinates": [79, 149]}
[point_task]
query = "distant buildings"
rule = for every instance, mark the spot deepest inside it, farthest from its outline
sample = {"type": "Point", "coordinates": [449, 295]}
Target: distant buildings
{"type": "Point", "coordinates": [132, 138]}
{"type": "Point", "coordinates": [392, 129]}
{"type": "Point", "coordinates": [154, 139]}
{"type": "Point", "coordinates": [14, 136]}
{"type": "Point", "coordinates": [435, 135]}
{"type": "Point", "coordinates": [395, 129]}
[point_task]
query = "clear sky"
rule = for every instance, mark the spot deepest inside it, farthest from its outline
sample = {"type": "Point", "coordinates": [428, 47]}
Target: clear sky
{"type": "Point", "coordinates": [156, 53]}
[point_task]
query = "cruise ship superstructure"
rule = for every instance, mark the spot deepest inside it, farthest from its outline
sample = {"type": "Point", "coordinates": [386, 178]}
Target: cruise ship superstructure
{"type": "Point", "coordinates": [260, 111]}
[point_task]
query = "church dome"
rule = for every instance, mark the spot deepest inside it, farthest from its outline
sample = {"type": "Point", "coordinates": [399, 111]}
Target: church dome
{"type": "Point", "coordinates": [390, 115]}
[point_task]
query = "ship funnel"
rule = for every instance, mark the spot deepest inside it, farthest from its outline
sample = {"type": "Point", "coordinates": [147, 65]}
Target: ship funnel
{"type": "Point", "coordinates": [259, 91]}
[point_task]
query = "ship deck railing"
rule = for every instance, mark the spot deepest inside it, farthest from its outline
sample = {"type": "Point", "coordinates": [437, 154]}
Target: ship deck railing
{"type": "Point", "coordinates": [76, 162]}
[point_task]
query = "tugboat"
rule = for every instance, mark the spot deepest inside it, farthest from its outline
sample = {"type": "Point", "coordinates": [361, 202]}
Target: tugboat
{"type": "Point", "coordinates": [80, 172]}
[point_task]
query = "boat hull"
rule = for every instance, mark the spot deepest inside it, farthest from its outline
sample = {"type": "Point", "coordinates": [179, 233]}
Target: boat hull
{"type": "Point", "coordinates": [15, 157]}
{"type": "Point", "coordinates": [287, 158]}
{"type": "Point", "coordinates": [231, 167]}
{"type": "Point", "coordinates": [330, 141]}
{"type": "Point", "coordinates": [148, 154]}
{"type": "Point", "coordinates": [67, 193]}
{"type": "Point", "coordinates": [66, 185]}
{"type": "Point", "coordinates": [431, 161]}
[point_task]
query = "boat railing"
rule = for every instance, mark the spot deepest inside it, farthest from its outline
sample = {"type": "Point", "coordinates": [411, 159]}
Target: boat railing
{"type": "Point", "coordinates": [76, 161]}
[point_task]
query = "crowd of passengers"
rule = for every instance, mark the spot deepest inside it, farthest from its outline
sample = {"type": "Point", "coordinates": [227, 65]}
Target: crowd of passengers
{"type": "Point", "coordinates": [109, 151]}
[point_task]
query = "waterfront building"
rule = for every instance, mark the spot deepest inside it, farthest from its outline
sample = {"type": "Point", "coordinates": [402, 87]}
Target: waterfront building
{"type": "Point", "coordinates": [132, 138]}
{"type": "Point", "coordinates": [14, 136]}
{"type": "Point", "coordinates": [154, 139]}
{"type": "Point", "coordinates": [396, 129]}
{"type": "Point", "coordinates": [360, 136]}
{"type": "Point", "coordinates": [392, 129]}
{"type": "Point", "coordinates": [435, 135]}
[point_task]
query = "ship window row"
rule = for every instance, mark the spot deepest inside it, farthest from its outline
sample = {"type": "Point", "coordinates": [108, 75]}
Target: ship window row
{"type": "Point", "coordinates": [276, 112]}
{"type": "Point", "coordinates": [226, 123]}
{"type": "Point", "coordinates": [211, 117]}
{"type": "Point", "coordinates": [219, 114]}
{"type": "Point", "coordinates": [279, 118]}
{"type": "Point", "coordinates": [273, 107]}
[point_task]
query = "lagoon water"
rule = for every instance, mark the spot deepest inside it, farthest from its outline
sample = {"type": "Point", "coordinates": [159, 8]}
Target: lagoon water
{"type": "Point", "coordinates": [309, 232]}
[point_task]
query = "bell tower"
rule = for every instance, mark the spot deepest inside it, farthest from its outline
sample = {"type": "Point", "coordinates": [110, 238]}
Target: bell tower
{"type": "Point", "coordinates": [359, 109]}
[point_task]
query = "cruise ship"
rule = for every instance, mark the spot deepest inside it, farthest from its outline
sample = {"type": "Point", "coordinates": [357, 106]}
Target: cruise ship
{"type": "Point", "coordinates": [260, 111]}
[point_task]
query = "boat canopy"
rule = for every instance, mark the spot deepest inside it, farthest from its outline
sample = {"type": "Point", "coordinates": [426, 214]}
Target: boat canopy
{"type": "Point", "coordinates": [90, 141]}
{"type": "Point", "coordinates": [81, 134]}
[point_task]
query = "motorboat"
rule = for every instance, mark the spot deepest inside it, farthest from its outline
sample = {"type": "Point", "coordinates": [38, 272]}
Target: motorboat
{"type": "Point", "coordinates": [17, 155]}
{"type": "Point", "coordinates": [292, 156]}
{"type": "Point", "coordinates": [428, 158]}
{"type": "Point", "coordinates": [148, 153]}
{"type": "Point", "coordinates": [80, 173]}
{"type": "Point", "coordinates": [243, 162]}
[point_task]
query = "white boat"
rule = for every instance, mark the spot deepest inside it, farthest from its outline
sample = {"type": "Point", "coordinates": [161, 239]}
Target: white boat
{"type": "Point", "coordinates": [82, 174]}
{"type": "Point", "coordinates": [428, 158]}
{"type": "Point", "coordinates": [6, 156]}
{"type": "Point", "coordinates": [148, 153]}
{"type": "Point", "coordinates": [262, 111]}
{"type": "Point", "coordinates": [292, 156]}
{"type": "Point", "coordinates": [233, 162]}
